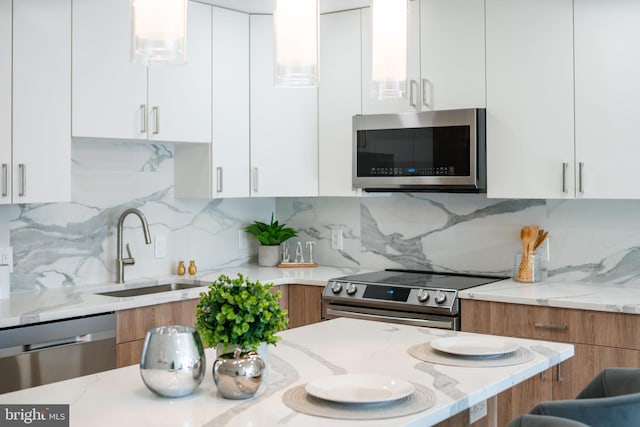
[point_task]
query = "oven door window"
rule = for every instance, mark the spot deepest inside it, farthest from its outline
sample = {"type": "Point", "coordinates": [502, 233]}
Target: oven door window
{"type": "Point", "coordinates": [431, 151]}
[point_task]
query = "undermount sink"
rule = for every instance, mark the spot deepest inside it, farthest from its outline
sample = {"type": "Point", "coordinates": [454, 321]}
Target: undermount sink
{"type": "Point", "coordinates": [153, 289]}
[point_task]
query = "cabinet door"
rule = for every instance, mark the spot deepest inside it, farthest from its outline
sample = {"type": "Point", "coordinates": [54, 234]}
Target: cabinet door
{"type": "Point", "coordinates": [180, 95]}
{"type": "Point", "coordinates": [305, 305]}
{"type": "Point", "coordinates": [371, 105]}
{"type": "Point", "coordinates": [572, 375]}
{"type": "Point", "coordinates": [109, 92]}
{"type": "Point", "coordinates": [284, 124]}
{"type": "Point", "coordinates": [339, 99]}
{"type": "Point", "coordinates": [529, 51]}
{"type": "Point", "coordinates": [230, 148]}
{"type": "Point", "coordinates": [452, 54]}
{"type": "Point", "coordinates": [607, 65]}
{"type": "Point", "coordinates": [41, 101]}
{"type": "Point", "coordinates": [5, 101]}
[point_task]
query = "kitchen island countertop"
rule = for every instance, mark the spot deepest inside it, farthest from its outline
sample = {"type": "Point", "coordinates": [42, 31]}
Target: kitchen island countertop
{"type": "Point", "coordinates": [339, 346]}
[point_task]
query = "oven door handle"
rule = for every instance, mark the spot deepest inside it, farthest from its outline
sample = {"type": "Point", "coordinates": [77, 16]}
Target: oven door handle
{"type": "Point", "coordinates": [393, 319]}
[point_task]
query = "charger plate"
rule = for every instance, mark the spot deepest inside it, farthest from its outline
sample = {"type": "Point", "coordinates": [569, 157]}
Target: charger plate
{"type": "Point", "coordinates": [426, 353]}
{"type": "Point", "coordinates": [299, 400]}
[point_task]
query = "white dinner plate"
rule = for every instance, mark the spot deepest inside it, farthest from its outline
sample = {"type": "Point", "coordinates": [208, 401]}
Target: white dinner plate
{"type": "Point", "coordinates": [359, 388]}
{"type": "Point", "coordinates": [474, 346]}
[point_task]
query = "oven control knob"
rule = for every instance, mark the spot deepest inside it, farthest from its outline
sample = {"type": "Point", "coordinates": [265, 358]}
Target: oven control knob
{"type": "Point", "coordinates": [423, 295]}
{"type": "Point", "coordinates": [440, 297]}
{"type": "Point", "coordinates": [336, 287]}
{"type": "Point", "coordinates": [351, 289]}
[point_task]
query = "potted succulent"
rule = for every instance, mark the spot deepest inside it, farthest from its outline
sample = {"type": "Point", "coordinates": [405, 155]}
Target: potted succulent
{"type": "Point", "coordinates": [239, 313]}
{"type": "Point", "coordinates": [270, 236]}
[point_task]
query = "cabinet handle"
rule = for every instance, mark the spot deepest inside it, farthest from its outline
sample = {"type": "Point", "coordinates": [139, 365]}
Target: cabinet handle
{"type": "Point", "coordinates": [156, 120]}
{"type": "Point", "coordinates": [580, 167]}
{"type": "Point", "coordinates": [143, 118]}
{"type": "Point", "coordinates": [254, 179]}
{"type": "Point", "coordinates": [426, 97]}
{"type": "Point", "coordinates": [22, 170]}
{"type": "Point", "coordinates": [560, 379]}
{"type": "Point", "coordinates": [412, 101]}
{"type": "Point", "coordinates": [565, 165]}
{"type": "Point", "coordinates": [554, 326]}
{"type": "Point", "coordinates": [219, 179]}
{"type": "Point", "coordinates": [5, 180]}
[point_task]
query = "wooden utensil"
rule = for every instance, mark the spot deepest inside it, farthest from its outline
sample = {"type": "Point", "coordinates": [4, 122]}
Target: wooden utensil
{"type": "Point", "coordinates": [528, 235]}
{"type": "Point", "coordinates": [542, 235]}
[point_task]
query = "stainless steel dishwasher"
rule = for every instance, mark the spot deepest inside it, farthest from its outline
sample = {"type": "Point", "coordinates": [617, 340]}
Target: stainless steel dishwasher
{"type": "Point", "coordinates": [47, 352]}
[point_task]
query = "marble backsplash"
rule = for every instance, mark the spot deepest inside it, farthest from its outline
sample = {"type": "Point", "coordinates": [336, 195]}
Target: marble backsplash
{"type": "Point", "coordinates": [65, 244]}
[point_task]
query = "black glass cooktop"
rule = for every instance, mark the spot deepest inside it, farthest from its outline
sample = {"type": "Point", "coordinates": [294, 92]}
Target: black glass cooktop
{"type": "Point", "coordinates": [424, 279]}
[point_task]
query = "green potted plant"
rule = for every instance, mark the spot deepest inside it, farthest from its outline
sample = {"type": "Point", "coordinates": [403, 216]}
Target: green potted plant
{"type": "Point", "coordinates": [270, 236]}
{"type": "Point", "coordinates": [240, 313]}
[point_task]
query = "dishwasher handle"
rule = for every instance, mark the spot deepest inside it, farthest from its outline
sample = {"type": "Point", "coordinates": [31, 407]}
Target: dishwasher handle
{"type": "Point", "coordinates": [70, 340]}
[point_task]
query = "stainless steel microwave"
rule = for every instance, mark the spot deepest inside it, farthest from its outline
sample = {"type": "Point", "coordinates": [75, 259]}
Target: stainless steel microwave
{"type": "Point", "coordinates": [429, 151]}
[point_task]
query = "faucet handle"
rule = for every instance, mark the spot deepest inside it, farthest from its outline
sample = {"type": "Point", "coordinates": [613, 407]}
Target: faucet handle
{"type": "Point", "coordinates": [129, 259]}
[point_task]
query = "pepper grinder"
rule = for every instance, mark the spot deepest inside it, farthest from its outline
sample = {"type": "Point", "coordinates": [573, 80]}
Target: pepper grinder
{"type": "Point", "coordinates": [192, 268]}
{"type": "Point", "coordinates": [181, 269]}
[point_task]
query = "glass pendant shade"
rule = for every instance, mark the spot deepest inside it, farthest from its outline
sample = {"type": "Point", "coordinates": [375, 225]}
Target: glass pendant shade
{"type": "Point", "coordinates": [158, 31]}
{"type": "Point", "coordinates": [389, 27]}
{"type": "Point", "coordinates": [295, 29]}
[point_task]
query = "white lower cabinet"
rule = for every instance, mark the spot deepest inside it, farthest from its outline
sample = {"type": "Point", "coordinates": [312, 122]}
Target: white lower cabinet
{"type": "Point", "coordinates": [339, 95]}
{"type": "Point", "coordinates": [530, 123]}
{"type": "Point", "coordinates": [284, 124]}
{"type": "Point", "coordinates": [221, 169]}
{"type": "Point", "coordinates": [39, 167]}
{"type": "Point", "coordinates": [607, 66]}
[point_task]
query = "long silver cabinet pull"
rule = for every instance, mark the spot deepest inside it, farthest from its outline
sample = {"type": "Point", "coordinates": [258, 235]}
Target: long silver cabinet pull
{"type": "Point", "coordinates": [426, 93]}
{"type": "Point", "coordinates": [143, 118]}
{"type": "Point", "coordinates": [580, 168]}
{"type": "Point", "coordinates": [554, 326]}
{"type": "Point", "coordinates": [219, 179]}
{"type": "Point", "coordinates": [22, 169]}
{"type": "Point", "coordinates": [254, 178]}
{"type": "Point", "coordinates": [156, 120]}
{"type": "Point", "coordinates": [560, 379]}
{"type": "Point", "coordinates": [5, 180]}
{"type": "Point", "coordinates": [412, 93]}
{"type": "Point", "coordinates": [565, 165]}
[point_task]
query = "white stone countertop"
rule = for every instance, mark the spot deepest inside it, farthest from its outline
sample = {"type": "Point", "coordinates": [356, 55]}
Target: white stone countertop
{"type": "Point", "coordinates": [54, 304]}
{"type": "Point", "coordinates": [119, 397]}
{"type": "Point", "coordinates": [619, 298]}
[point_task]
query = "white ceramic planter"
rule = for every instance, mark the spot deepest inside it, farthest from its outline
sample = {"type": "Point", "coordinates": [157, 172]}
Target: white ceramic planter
{"type": "Point", "coordinates": [268, 256]}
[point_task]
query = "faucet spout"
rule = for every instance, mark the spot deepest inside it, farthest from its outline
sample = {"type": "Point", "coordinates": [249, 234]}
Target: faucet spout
{"type": "Point", "coordinates": [129, 260]}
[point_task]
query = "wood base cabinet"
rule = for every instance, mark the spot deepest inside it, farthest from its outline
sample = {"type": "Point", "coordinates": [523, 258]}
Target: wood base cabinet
{"type": "Point", "coordinates": [132, 326]}
{"type": "Point", "coordinates": [601, 340]}
{"type": "Point", "coordinates": [305, 305]}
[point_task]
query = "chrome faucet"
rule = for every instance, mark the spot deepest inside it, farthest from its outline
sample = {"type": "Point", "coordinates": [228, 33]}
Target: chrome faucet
{"type": "Point", "coordinates": [120, 261]}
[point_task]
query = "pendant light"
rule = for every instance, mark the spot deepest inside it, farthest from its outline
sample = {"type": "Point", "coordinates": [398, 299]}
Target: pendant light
{"type": "Point", "coordinates": [158, 31]}
{"type": "Point", "coordinates": [295, 29]}
{"type": "Point", "coordinates": [389, 25]}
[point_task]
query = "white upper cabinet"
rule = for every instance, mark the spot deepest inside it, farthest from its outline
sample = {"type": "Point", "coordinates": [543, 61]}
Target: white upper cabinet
{"type": "Point", "coordinates": [284, 124]}
{"type": "Point", "coordinates": [41, 143]}
{"type": "Point", "coordinates": [530, 137]}
{"type": "Point", "coordinates": [113, 98]}
{"type": "Point", "coordinates": [452, 53]}
{"type": "Point", "coordinates": [221, 169]}
{"type": "Point", "coordinates": [607, 89]}
{"type": "Point", "coordinates": [372, 105]}
{"type": "Point", "coordinates": [5, 100]}
{"type": "Point", "coordinates": [339, 99]}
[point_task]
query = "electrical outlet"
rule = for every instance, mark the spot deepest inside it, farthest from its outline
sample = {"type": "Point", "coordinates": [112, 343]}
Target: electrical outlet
{"type": "Point", "coordinates": [477, 411]}
{"type": "Point", "coordinates": [6, 258]}
{"type": "Point", "coordinates": [242, 239]}
{"type": "Point", "coordinates": [160, 246]}
{"type": "Point", "coordinates": [336, 239]}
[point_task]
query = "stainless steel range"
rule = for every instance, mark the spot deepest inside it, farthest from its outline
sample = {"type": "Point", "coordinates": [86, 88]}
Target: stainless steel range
{"type": "Point", "coordinates": [421, 298]}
